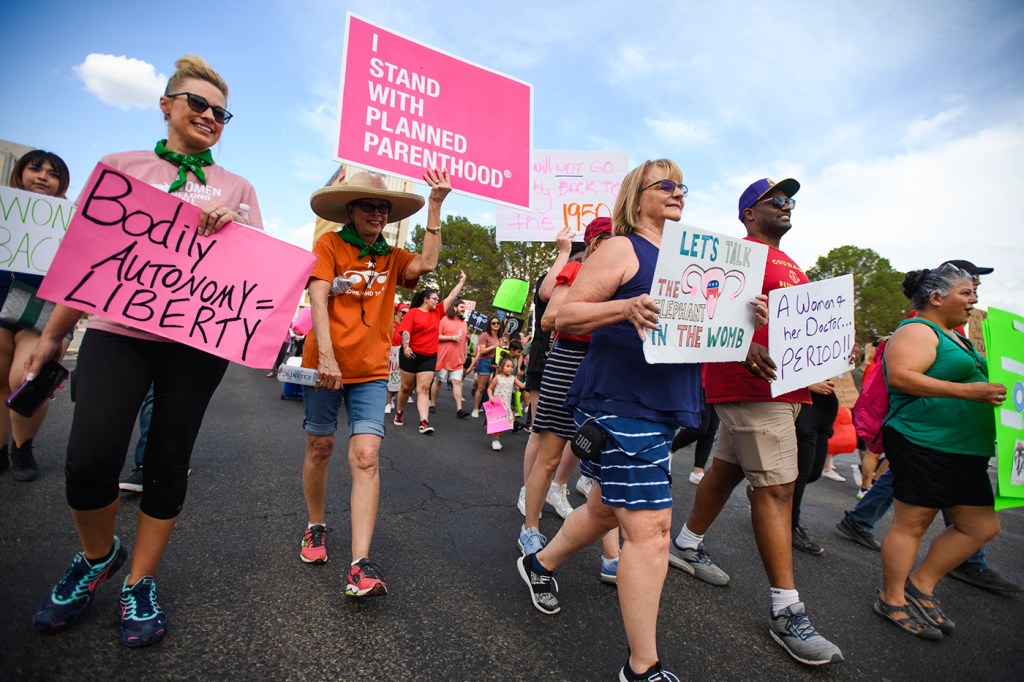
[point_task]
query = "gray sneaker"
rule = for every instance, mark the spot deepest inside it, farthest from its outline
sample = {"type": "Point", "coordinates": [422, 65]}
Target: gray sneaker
{"type": "Point", "coordinates": [861, 537]}
{"type": "Point", "coordinates": [697, 563]}
{"type": "Point", "coordinates": [793, 630]}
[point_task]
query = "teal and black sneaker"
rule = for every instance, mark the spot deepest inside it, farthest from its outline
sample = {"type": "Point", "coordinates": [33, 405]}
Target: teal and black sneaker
{"type": "Point", "coordinates": [73, 594]}
{"type": "Point", "coordinates": [142, 620]}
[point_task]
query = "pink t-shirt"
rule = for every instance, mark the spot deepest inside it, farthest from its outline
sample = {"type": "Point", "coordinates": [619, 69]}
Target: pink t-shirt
{"type": "Point", "coordinates": [451, 355]}
{"type": "Point", "coordinates": [221, 187]}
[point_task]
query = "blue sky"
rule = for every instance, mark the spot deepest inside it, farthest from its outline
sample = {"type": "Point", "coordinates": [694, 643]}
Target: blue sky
{"type": "Point", "coordinates": [904, 121]}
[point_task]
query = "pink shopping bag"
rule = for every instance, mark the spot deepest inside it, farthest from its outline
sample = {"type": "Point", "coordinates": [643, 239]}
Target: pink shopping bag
{"type": "Point", "coordinates": [497, 420]}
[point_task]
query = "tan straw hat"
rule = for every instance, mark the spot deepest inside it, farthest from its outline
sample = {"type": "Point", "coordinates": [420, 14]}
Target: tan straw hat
{"type": "Point", "coordinates": [331, 203]}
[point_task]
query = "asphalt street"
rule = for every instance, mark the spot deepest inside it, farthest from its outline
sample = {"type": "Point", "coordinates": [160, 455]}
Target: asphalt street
{"type": "Point", "coordinates": [242, 606]}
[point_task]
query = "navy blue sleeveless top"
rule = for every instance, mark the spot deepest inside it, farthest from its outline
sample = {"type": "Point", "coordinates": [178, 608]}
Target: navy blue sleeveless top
{"type": "Point", "coordinates": [615, 378]}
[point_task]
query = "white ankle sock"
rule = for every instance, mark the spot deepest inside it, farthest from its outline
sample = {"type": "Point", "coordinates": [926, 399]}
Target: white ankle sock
{"type": "Point", "coordinates": [687, 539]}
{"type": "Point", "coordinates": [783, 598]}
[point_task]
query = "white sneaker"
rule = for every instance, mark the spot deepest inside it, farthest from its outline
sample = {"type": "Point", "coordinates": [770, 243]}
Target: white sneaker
{"type": "Point", "coordinates": [833, 475]}
{"type": "Point", "coordinates": [583, 485]}
{"type": "Point", "coordinates": [496, 445]}
{"type": "Point", "coordinates": [521, 505]}
{"type": "Point", "coordinates": [695, 477]}
{"type": "Point", "coordinates": [856, 474]}
{"type": "Point", "coordinates": [387, 409]}
{"type": "Point", "coordinates": [475, 414]}
{"type": "Point", "coordinates": [558, 497]}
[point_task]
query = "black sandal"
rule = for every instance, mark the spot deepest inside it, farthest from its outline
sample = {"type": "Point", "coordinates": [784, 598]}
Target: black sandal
{"type": "Point", "coordinates": [907, 620]}
{"type": "Point", "coordinates": [932, 614]}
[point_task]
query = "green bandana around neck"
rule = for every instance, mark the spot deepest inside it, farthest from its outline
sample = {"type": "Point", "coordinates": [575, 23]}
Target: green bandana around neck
{"type": "Point", "coordinates": [184, 163]}
{"type": "Point", "coordinates": [378, 248]}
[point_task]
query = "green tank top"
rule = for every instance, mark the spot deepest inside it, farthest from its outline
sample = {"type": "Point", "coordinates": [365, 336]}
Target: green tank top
{"type": "Point", "coordinates": [947, 424]}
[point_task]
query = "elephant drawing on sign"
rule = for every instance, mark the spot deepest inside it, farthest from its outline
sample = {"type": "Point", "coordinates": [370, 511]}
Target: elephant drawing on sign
{"type": "Point", "coordinates": [713, 282]}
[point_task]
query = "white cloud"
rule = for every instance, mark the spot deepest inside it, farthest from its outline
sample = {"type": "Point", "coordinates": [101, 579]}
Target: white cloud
{"type": "Point", "coordinates": [630, 63]}
{"type": "Point", "coordinates": [300, 235]}
{"type": "Point", "coordinates": [925, 129]}
{"type": "Point", "coordinates": [322, 120]}
{"type": "Point", "coordinates": [677, 130]}
{"type": "Point", "coordinates": [122, 82]}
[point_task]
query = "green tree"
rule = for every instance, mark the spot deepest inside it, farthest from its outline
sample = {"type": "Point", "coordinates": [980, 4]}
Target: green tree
{"type": "Point", "coordinates": [471, 247]}
{"type": "Point", "coordinates": [879, 304]}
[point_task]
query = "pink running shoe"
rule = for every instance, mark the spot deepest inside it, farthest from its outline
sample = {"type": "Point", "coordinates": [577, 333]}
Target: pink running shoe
{"type": "Point", "coordinates": [365, 579]}
{"type": "Point", "coordinates": [314, 551]}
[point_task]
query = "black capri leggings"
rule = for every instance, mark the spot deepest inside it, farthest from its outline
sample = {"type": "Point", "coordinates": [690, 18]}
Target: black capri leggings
{"type": "Point", "coordinates": [114, 375]}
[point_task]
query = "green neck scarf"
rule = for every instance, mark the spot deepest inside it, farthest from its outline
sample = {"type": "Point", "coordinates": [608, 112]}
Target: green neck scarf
{"type": "Point", "coordinates": [378, 248]}
{"type": "Point", "coordinates": [184, 163]}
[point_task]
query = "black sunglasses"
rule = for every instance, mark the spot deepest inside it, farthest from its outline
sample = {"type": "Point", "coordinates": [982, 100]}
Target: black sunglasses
{"type": "Point", "coordinates": [199, 104]}
{"type": "Point", "coordinates": [667, 185]}
{"type": "Point", "coordinates": [779, 202]}
{"type": "Point", "coordinates": [369, 206]}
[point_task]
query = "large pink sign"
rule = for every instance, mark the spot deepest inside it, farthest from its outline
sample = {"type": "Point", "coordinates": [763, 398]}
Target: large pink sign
{"type": "Point", "coordinates": [405, 108]}
{"type": "Point", "coordinates": [132, 254]}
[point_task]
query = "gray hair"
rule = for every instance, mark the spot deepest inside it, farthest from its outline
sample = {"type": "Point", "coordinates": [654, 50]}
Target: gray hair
{"type": "Point", "coordinates": [919, 285]}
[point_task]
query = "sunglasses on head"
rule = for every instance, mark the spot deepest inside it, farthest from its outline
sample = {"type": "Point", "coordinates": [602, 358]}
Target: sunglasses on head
{"type": "Point", "coordinates": [779, 202]}
{"type": "Point", "coordinates": [199, 104]}
{"type": "Point", "coordinates": [369, 206]}
{"type": "Point", "coordinates": [667, 185]}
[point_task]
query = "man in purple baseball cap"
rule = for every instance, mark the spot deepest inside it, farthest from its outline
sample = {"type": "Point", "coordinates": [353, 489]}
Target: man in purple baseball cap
{"type": "Point", "coordinates": [758, 191]}
{"type": "Point", "coordinates": [757, 443]}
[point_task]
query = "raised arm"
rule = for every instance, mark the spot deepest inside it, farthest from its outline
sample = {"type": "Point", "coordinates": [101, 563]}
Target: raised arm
{"type": "Point", "coordinates": [425, 263]}
{"type": "Point", "coordinates": [455, 290]}
{"type": "Point", "coordinates": [547, 285]}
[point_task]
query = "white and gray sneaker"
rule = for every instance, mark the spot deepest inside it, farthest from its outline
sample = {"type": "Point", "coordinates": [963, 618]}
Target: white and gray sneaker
{"type": "Point", "coordinates": [521, 504]}
{"type": "Point", "coordinates": [793, 630]}
{"type": "Point", "coordinates": [697, 563]}
{"type": "Point", "coordinates": [558, 497]}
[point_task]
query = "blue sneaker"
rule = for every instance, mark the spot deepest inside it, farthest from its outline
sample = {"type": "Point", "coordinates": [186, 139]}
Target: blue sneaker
{"type": "Point", "coordinates": [610, 570]}
{"type": "Point", "coordinates": [73, 594]}
{"type": "Point", "coordinates": [530, 540]}
{"type": "Point", "coordinates": [142, 620]}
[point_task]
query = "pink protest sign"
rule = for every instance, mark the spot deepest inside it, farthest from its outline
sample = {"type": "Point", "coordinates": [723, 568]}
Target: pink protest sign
{"type": "Point", "coordinates": [132, 254]}
{"type": "Point", "coordinates": [404, 108]}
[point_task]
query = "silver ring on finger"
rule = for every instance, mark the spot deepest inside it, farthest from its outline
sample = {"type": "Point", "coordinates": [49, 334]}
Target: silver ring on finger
{"type": "Point", "coordinates": [216, 214]}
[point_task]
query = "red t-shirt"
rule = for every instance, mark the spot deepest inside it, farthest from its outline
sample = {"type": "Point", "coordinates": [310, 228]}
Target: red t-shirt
{"type": "Point", "coordinates": [565, 278]}
{"type": "Point", "coordinates": [730, 382]}
{"type": "Point", "coordinates": [422, 327]}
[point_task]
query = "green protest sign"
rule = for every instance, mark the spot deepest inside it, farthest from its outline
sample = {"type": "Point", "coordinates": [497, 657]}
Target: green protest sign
{"type": "Point", "coordinates": [1004, 339]}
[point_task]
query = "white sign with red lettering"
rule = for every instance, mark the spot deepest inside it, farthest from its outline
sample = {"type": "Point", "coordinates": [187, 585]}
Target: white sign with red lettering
{"type": "Point", "coordinates": [570, 188]}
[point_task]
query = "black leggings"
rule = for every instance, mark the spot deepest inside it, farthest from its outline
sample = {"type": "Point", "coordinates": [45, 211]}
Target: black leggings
{"type": "Point", "coordinates": [114, 375]}
{"type": "Point", "coordinates": [813, 429]}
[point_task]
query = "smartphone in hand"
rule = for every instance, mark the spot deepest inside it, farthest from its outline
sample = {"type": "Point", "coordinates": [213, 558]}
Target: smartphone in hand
{"type": "Point", "coordinates": [30, 396]}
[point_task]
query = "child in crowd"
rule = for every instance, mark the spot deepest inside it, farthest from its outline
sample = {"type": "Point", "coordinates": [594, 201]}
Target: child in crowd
{"type": "Point", "coordinates": [501, 388]}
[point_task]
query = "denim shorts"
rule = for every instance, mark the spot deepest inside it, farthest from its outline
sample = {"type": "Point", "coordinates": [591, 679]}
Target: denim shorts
{"type": "Point", "coordinates": [364, 405]}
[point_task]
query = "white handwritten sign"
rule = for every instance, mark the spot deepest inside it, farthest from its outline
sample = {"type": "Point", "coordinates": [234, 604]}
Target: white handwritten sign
{"type": "Point", "coordinates": [568, 189]}
{"type": "Point", "coordinates": [31, 228]}
{"type": "Point", "coordinates": [810, 332]}
{"type": "Point", "coordinates": [703, 283]}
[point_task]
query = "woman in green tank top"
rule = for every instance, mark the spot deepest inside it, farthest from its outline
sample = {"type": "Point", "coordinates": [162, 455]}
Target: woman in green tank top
{"type": "Point", "coordinates": [939, 435]}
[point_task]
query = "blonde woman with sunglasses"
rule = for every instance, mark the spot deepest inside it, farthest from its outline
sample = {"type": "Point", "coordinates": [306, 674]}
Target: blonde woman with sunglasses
{"type": "Point", "coordinates": [117, 365]}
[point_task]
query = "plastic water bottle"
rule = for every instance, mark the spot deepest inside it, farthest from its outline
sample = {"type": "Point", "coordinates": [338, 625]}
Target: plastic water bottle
{"type": "Point", "coordinates": [341, 284]}
{"type": "Point", "coordinates": [289, 374]}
